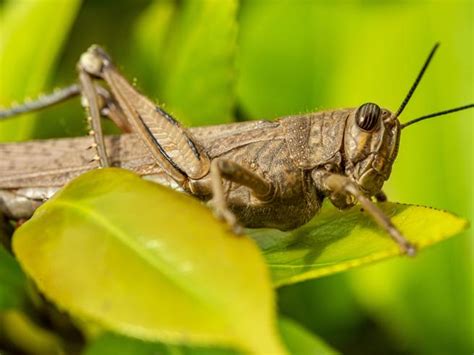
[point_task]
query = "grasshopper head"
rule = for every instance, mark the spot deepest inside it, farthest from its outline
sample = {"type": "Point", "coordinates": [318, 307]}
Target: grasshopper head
{"type": "Point", "coordinates": [371, 139]}
{"type": "Point", "coordinates": [372, 135]}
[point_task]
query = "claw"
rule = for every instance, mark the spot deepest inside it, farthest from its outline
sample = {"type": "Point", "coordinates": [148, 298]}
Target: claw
{"type": "Point", "coordinates": [238, 229]}
{"type": "Point", "coordinates": [409, 249]}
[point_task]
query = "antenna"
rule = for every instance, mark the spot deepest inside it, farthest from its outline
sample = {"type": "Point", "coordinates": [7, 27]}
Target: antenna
{"type": "Point", "coordinates": [417, 81]}
{"type": "Point", "coordinates": [441, 113]}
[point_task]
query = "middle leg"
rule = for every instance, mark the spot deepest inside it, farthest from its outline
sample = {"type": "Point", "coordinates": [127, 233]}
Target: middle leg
{"type": "Point", "coordinates": [231, 171]}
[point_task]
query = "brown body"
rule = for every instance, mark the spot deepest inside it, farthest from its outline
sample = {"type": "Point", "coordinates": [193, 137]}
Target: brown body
{"type": "Point", "coordinates": [264, 147]}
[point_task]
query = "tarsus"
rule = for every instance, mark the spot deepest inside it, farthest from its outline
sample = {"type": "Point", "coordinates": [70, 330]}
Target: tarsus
{"type": "Point", "coordinates": [42, 102]}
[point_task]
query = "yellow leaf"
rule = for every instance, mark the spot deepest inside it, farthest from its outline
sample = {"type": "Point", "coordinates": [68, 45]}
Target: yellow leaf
{"type": "Point", "coordinates": [339, 240]}
{"type": "Point", "coordinates": [148, 262]}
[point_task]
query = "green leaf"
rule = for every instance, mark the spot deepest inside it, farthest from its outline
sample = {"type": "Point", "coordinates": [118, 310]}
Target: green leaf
{"type": "Point", "coordinates": [338, 240]}
{"type": "Point", "coordinates": [149, 45]}
{"type": "Point", "coordinates": [148, 262]}
{"type": "Point", "coordinates": [285, 62]}
{"type": "Point", "coordinates": [301, 341]}
{"type": "Point", "coordinates": [30, 27]}
{"type": "Point", "coordinates": [20, 332]}
{"type": "Point", "coordinates": [298, 340]}
{"type": "Point", "coordinates": [12, 282]}
{"type": "Point", "coordinates": [189, 51]}
{"type": "Point", "coordinates": [114, 344]}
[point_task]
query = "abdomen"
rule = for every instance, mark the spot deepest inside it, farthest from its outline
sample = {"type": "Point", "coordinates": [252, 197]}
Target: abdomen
{"type": "Point", "coordinates": [295, 200]}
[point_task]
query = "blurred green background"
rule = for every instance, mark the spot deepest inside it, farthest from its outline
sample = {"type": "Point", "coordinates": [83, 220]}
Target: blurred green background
{"type": "Point", "coordinates": [211, 61]}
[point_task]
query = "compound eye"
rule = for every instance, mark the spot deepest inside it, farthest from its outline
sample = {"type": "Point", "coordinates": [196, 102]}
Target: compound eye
{"type": "Point", "coordinates": [367, 116]}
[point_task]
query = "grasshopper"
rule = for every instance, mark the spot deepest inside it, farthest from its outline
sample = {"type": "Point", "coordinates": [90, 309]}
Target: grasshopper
{"type": "Point", "coordinates": [255, 174]}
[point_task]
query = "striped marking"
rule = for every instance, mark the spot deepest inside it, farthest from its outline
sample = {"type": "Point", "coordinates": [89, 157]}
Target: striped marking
{"type": "Point", "coordinates": [174, 122]}
{"type": "Point", "coordinates": [160, 148]}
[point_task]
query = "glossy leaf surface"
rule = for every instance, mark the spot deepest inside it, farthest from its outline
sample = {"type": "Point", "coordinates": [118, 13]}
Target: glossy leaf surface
{"type": "Point", "coordinates": [335, 241]}
{"type": "Point", "coordinates": [298, 340]}
{"type": "Point", "coordinates": [148, 262]}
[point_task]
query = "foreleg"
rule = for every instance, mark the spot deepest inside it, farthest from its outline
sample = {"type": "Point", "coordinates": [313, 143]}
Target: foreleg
{"type": "Point", "coordinates": [342, 188]}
